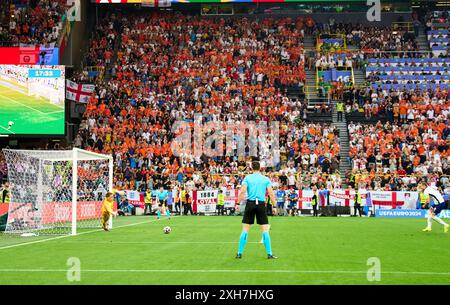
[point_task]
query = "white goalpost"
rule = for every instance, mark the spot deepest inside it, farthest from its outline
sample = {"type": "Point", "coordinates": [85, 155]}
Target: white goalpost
{"type": "Point", "coordinates": [40, 90]}
{"type": "Point", "coordinates": [56, 192]}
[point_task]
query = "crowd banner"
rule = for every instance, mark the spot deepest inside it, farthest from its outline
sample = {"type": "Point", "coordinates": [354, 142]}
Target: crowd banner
{"type": "Point", "coordinates": [337, 197]}
{"type": "Point", "coordinates": [136, 198]}
{"type": "Point", "coordinates": [64, 35]}
{"type": "Point", "coordinates": [323, 197]}
{"type": "Point", "coordinates": [379, 199]}
{"type": "Point", "coordinates": [334, 198]}
{"type": "Point", "coordinates": [393, 200]}
{"type": "Point", "coordinates": [305, 199]}
{"type": "Point", "coordinates": [78, 92]}
{"type": "Point", "coordinates": [340, 197]}
{"type": "Point", "coordinates": [204, 201]}
{"type": "Point", "coordinates": [231, 197]}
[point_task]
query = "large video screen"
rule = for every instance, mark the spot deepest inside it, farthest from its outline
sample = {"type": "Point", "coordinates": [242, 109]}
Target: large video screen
{"type": "Point", "coordinates": [32, 100]}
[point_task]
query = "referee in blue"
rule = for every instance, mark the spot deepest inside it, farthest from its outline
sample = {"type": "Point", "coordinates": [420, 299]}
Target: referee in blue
{"type": "Point", "coordinates": [254, 188]}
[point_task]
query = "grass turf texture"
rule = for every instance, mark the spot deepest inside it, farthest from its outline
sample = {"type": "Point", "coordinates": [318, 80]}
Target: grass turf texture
{"type": "Point", "coordinates": [201, 250]}
{"type": "Point", "coordinates": [29, 114]}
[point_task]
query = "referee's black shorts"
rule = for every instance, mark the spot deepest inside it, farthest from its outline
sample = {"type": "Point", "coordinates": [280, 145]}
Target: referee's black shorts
{"type": "Point", "coordinates": [259, 210]}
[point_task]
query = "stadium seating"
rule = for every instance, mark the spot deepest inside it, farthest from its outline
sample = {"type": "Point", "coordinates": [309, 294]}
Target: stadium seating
{"type": "Point", "coordinates": [101, 45]}
{"type": "Point", "coordinates": [419, 146]}
{"type": "Point", "coordinates": [408, 73]}
{"type": "Point", "coordinates": [335, 67]}
{"type": "Point", "coordinates": [438, 33]}
{"type": "Point", "coordinates": [169, 66]}
{"type": "Point", "coordinates": [373, 38]}
{"type": "Point", "coordinates": [224, 83]}
{"type": "Point", "coordinates": [249, 73]}
{"type": "Point", "coordinates": [439, 42]}
{"type": "Point", "coordinates": [38, 25]}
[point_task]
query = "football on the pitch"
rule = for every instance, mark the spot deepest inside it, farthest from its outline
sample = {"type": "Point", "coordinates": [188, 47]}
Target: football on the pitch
{"type": "Point", "coordinates": [167, 230]}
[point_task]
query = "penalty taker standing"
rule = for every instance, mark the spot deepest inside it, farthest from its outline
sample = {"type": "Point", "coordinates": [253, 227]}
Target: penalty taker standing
{"type": "Point", "coordinates": [254, 188]}
{"type": "Point", "coordinates": [439, 205]}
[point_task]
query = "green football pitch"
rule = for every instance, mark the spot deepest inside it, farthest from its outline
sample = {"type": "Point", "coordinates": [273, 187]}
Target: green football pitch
{"type": "Point", "coordinates": [30, 115]}
{"type": "Point", "coordinates": [201, 250]}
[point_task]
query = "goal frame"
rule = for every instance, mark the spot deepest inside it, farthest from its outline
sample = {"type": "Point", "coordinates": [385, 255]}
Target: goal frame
{"type": "Point", "coordinates": [75, 180]}
{"type": "Point", "coordinates": [76, 155]}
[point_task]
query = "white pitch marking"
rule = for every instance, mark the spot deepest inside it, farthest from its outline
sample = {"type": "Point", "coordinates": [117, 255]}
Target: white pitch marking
{"type": "Point", "coordinates": [158, 242]}
{"type": "Point", "coordinates": [222, 271]}
{"type": "Point", "coordinates": [14, 101]}
{"type": "Point", "coordinates": [65, 236]}
{"type": "Point", "coordinates": [7, 129]}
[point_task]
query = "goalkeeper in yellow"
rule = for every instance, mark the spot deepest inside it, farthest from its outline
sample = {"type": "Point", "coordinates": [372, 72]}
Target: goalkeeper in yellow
{"type": "Point", "coordinates": [107, 208]}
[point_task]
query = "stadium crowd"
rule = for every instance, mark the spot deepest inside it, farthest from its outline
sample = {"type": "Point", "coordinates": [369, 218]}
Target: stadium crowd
{"type": "Point", "coordinates": [404, 153]}
{"type": "Point", "coordinates": [330, 61]}
{"type": "Point", "coordinates": [373, 39]}
{"type": "Point", "coordinates": [101, 45]}
{"type": "Point", "coordinates": [171, 66]}
{"type": "Point", "coordinates": [231, 71]}
{"type": "Point", "coordinates": [26, 24]}
{"type": "Point", "coordinates": [399, 105]}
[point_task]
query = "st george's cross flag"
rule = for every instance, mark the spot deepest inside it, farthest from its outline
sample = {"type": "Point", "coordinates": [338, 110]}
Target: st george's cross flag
{"type": "Point", "coordinates": [78, 92]}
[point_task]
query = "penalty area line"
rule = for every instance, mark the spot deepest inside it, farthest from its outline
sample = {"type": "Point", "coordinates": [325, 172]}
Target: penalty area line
{"type": "Point", "coordinates": [14, 101]}
{"type": "Point", "coordinates": [53, 112]}
{"type": "Point", "coordinates": [11, 132]}
{"type": "Point", "coordinates": [82, 233]}
{"type": "Point", "coordinates": [158, 242]}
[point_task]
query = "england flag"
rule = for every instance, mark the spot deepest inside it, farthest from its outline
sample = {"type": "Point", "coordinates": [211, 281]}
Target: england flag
{"type": "Point", "coordinates": [78, 92]}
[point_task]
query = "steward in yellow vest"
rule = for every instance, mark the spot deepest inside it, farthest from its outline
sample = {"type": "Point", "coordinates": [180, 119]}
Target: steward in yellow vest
{"type": "Point", "coordinates": [148, 202]}
{"type": "Point", "coordinates": [220, 203]}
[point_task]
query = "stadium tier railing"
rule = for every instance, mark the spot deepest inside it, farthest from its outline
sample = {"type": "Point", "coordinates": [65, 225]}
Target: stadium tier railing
{"type": "Point", "coordinates": [337, 37]}
{"type": "Point", "coordinates": [403, 26]}
{"type": "Point", "coordinates": [95, 71]}
{"type": "Point", "coordinates": [310, 90]}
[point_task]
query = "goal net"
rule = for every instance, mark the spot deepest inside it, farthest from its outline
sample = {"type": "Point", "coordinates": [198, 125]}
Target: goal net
{"type": "Point", "coordinates": [40, 90]}
{"type": "Point", "coordinates": [56, 192]}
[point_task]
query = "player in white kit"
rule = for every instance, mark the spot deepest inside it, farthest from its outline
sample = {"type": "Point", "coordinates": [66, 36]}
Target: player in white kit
{"type": "Point", "coordinates": [434, 210]}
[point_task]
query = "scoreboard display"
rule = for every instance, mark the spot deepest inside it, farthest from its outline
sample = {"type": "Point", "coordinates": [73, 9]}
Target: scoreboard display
{"type": "Point", "coordinates": [32, 100]}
